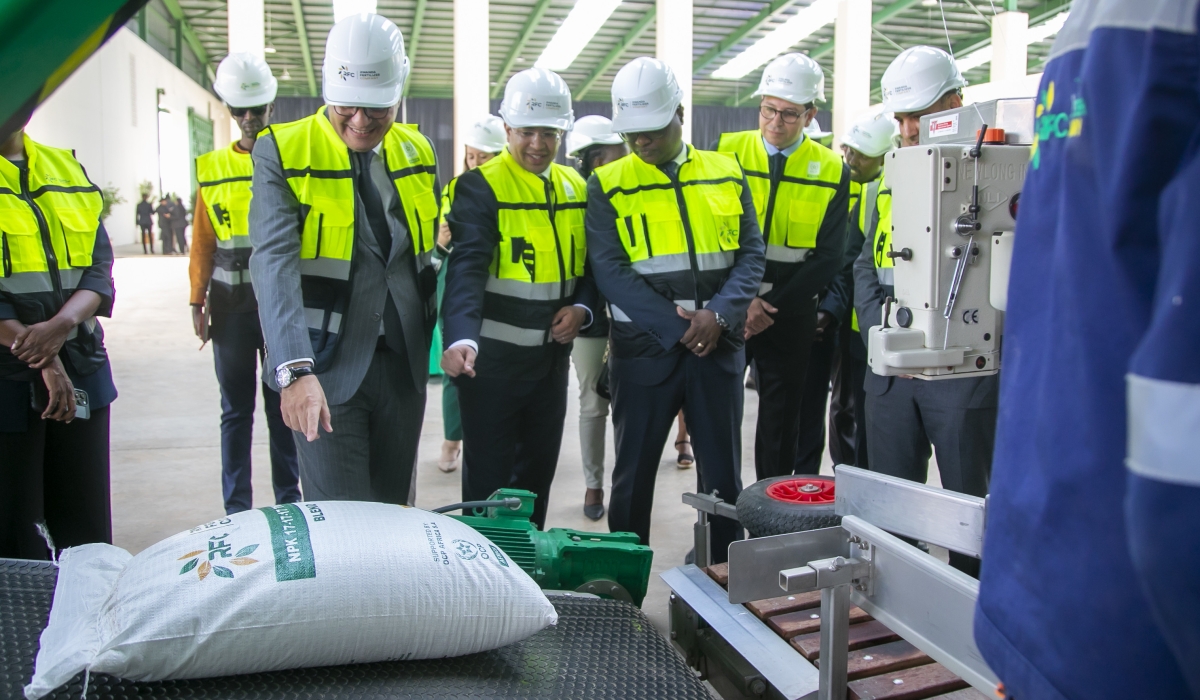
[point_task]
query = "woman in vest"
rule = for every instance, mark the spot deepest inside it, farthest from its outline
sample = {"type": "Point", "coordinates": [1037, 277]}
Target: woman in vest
{"type": "Point", "coordinates": [55, 380]}
{"type": "Point", "coordinates": [485, 141]}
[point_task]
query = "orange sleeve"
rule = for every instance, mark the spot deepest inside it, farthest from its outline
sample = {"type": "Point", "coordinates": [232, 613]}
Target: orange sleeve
{"type": "Point", "coordinates": [204, 244]}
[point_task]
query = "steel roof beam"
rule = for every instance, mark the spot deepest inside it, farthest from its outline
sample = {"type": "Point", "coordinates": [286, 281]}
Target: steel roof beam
{"type": "Point", "coordinates": [772, 9]}
{"type": "Point", "coordinates": [877, 19]}
{"type": "Point", "coordinates": [414, 41]}
{"type": "Point", "coordinates": [305, 49]}
{"type": "Point", "coordinates": [634, 33]}
{"type": "Point", "coordinates": [189, 34]}
{"type": "Point", "coordinates": [514, 53]}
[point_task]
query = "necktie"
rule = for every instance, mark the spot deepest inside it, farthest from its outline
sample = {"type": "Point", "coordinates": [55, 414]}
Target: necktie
{"type": "Point", "coordinates": [777, 164]}
{"type": "Point", "coordinates": [671, 168]}
{"type": "Point", "coordinates": [373, 203]}
{"type": "Point", "coordinates": [393, 331]}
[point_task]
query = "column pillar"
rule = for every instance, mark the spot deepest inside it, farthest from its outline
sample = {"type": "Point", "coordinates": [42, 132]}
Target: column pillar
{"type": "Point", "coordinates": [470, 71]}
{"type": "Point", "coordinates": [246, 27]}
{"type": "Point", "coordinates": [851, 65]}
{"type": "Point", "coordinates": [673, 46]}
{"type": "Point", "coordinates": [1010, 51]}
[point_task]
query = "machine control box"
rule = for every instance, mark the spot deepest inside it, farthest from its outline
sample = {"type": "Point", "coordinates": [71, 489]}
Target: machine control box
{"type": "Point", "coordinates": [953, 215]}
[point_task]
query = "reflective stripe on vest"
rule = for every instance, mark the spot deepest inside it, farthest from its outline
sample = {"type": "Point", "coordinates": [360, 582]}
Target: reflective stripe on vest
{"type": "Point", "coordinates": [48, 225]}
{"type": "Point", "coordinates": [541, 251]}
{"type": "Point", "coordinates": [791, 218]}
{"type": "Point", "coordinates": [879, 229]}
{"type": "Point", "coordinates": [224, 177]}
{"type": "Point", "coordinates": [316, 164]}
{"type": "Point", "coordinates": [682, 237]}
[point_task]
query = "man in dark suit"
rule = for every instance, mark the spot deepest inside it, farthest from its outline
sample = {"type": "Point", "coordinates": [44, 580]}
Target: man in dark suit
{"type": "Point", "coordinates": [674, 243]}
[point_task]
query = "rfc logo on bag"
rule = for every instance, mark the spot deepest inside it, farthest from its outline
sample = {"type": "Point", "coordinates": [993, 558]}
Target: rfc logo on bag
{"type": "Point", "coordinates": [217, 553]}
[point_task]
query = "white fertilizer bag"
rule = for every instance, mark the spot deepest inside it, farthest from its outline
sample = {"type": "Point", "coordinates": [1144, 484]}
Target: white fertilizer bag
{"type": "Point", "coordinates": [290, 586]}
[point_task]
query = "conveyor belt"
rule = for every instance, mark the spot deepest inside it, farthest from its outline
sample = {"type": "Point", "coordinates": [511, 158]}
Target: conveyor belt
{"type": "Point", "coordinates": [598, 649]}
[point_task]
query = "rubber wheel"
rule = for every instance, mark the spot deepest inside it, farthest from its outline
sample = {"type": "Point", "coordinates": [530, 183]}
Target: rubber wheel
{"type": "Point", "coordinates": [786, 504]}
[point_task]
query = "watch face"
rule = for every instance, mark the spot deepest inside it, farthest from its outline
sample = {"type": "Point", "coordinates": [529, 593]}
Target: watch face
{"type": "Point", "coordinates": [283, 377]}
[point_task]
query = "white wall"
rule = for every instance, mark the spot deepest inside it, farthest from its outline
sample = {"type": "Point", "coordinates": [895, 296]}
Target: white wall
{"type": "Point", "coordinates": [106, 112]}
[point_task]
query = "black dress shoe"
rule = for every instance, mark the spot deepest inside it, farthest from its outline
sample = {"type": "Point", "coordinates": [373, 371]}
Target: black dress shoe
{"type": "Point", "coordinates": [594, 511]}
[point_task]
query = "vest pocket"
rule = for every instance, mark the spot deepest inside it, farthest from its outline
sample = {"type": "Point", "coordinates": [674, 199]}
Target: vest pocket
{"type": "Point", "coordinates": [545, 254]}
{"type": "Point", "coordinates": [664, 228]}
{"type": "Point", "coordinates": [79, 234]}
{"type": "Point", "coordinates": [328, 230]}
{"type": "Point", "coordinates": [727, 213]}
{"type": "Point", "coordinates": [239, 221]}
{"type": "Point", "coordinates": [427, 214]}
{"type": "Point", "coordinates": [22, 246]}
{"type": "Point", "coordinates": [804, 219]}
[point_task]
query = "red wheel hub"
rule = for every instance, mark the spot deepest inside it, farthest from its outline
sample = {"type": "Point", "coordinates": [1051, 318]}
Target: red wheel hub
{"type": "Point", "coordinates": [802, 490]}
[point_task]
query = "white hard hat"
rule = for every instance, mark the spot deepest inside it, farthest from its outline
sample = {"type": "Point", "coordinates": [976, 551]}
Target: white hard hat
{"type": "Point", "coordinates": [917, 78]}
{"type": "Point", "coordinates": [873, 135]}
{"type": "Point", "coordinates": [813, 130]}
{"type": "Point", "coordinates": [537, 97]}
{"type": "Point", "coordinates": [245, 80]}
{"type": "Point", "coordinates": [793, 77]}
{"type": "Point", "coordinates": [487, 135]}
{"type": "Point", "coordinates": [365, 65]}
{"type": "Point", "coordinates": [645, 96]}
{"type": "Point", "coordinates": [588, 131]}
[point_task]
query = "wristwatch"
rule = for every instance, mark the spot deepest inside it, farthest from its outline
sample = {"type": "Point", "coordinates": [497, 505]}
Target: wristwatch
{"type": "Point", "coordinates": [284, 376]}
{"type": "Point", "coordinates": [721, 321]}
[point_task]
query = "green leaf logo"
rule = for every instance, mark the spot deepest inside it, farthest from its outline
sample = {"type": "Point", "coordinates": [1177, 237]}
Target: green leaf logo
{"type": "Point", "coordinates": [222, 572]}
{"type": "Point", "coordinates": [246, 551]}
{"type": "Point", "coordinates": [189, 566]}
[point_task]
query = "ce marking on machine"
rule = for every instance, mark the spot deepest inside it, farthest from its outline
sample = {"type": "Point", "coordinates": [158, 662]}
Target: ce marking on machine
{"type": "Point", "coordinates": [970, 316]}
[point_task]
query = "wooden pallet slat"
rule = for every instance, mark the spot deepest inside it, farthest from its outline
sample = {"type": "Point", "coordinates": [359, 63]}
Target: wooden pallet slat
{"type": "Point", "coordinates": [964, 694]}
{"type": "Point", "coordinates": [917, 683]}
{"type": "Point", "coordinates": [884, 658]}
{"type": "Point", "coordinates": [784, 604]}
{"type": "Point", "coordinates": [719, 573]}
{"type": "Point", "coordinates": [794, 624]}
{"type": "Point", "coordinates": [864, 634]}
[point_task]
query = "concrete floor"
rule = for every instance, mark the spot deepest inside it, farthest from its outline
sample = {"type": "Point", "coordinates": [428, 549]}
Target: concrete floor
{"type": "Point", "coordinates": [166, 459]}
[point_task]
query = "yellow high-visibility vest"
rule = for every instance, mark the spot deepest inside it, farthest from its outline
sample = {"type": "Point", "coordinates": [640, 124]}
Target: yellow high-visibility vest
{"type": "Point", "coordinates": [681, 236]}
{"type": "Point", "coordinates": [790, 213]}
{"type": "Point", "coordinates": [316, 163]}
{"type": "Point", "coordinates": [224, 176]}
{"type": "Point", "coordinates": [48, 224]}
{"type": "Point", "coordinates": [540, 254]}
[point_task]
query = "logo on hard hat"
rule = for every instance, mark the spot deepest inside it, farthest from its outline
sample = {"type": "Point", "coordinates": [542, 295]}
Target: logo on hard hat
{"type": "Point", "coordinates": [553, 104]}
{"type": "Point", "coordinates": [368, 75]}
{"type": "Point", "coordinates": [778, 80]}
{"type": "Point", "coordinates": [345, 73]}
{"type": "Point", "coordinates": [248, 86]}
{"type": "Point", "coordinates": [532, 103]}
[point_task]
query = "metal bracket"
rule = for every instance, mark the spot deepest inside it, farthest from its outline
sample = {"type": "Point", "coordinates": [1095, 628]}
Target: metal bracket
{"type": "Point", "coordinates": [706, 505]}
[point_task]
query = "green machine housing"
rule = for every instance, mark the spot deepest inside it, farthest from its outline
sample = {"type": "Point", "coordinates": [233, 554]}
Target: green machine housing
{"type": "Point", "coordinates": [608, 564]}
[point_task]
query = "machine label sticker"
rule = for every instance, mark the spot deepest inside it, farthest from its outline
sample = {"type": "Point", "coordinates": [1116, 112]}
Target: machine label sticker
{"type": "Point", "coordinates": [945, 126]}
{"type": "Point", "coordinates": [294, 558]}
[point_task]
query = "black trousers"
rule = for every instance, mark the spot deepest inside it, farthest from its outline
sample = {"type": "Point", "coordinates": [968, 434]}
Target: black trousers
{"type": "Point", "coordinates": [835, 361]}
{"type": "Point", "coordinates": [712, 399]}
{"type": "Point", "coordinates": [909, 418]}
{"type": "Point", "coordinates": [55, 473]}
{"type": "Point", "coordinates": [512, 432]}
{"type": "Point", "coordinates": [237, 351]}
{"type": "Point", "coordinates": [781, 355]}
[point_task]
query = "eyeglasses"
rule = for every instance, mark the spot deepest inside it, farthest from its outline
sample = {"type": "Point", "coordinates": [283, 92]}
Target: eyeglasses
{"type": "Point", "coordinates": [789, 116]}
{"type": "Point", "coordinates": [651, 136]}
{"type": "Point", "coordinates": [529, 135]}
{"type": "Point", "coordinates": [371, 112]}
{"type": "Point", "coordinates": [239, 112]}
